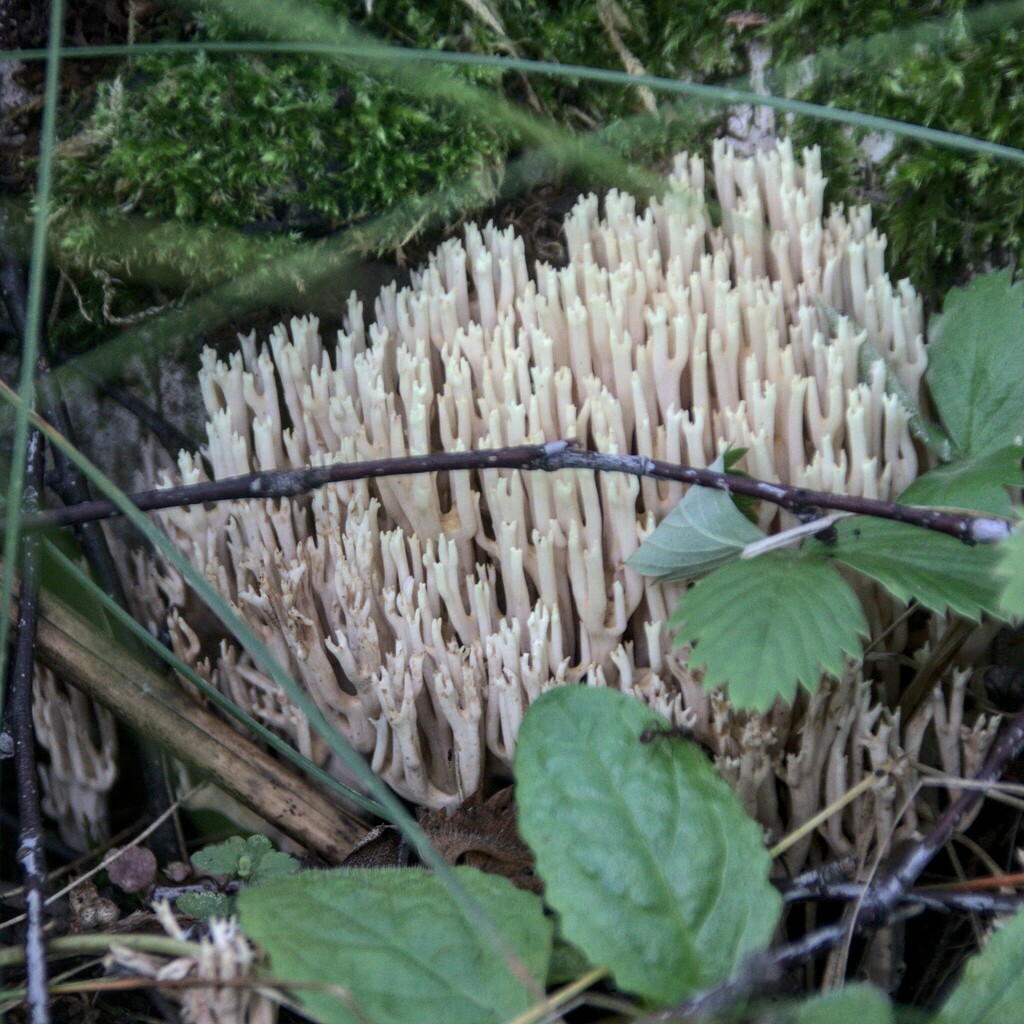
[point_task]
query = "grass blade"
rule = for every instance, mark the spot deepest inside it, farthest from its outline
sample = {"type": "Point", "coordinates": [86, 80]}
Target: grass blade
{"type": "Point", "coordinates": [33, 327]}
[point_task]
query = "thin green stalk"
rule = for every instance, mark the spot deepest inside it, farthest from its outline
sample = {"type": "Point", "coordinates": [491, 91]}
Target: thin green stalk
{"type": "Point", "coordinates": [79, 945]}
{"type": "Point", "coordinates": [33, 327]}
{"type": "Point", "coordinates": [391, 806]}
{"type": "Point", "coordinates": [210, 691]}
{"type": "Point", "coordinates": [715, 95]}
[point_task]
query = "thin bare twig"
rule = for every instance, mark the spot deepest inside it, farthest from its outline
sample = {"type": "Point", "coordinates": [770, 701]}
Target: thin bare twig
{"type": "Point", "coordinates": [111, 857]}
{"type": "Point", "coordinates": [30, 848]}
{"type": "Point", "coordinates": [550, 457]}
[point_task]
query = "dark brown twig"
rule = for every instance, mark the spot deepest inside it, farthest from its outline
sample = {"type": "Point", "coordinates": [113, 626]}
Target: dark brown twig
{"type": "Point", "coordinates": [30, 848]}
{"type": "Point", "coordinates": [931, 899]}
{"type": "Point", "coordinates": [549, 458]}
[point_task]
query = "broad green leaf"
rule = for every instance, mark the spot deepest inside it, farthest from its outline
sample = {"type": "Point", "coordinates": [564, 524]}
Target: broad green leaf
{"type": "Point", "coordinates": [764, 625]}
{"type": "Point", "coordinates": [854, 1004]}
{"type": "Point", "coordinates": [397, 944]}
{"type": "Point", "coordinates": [939, 571]}
{"type": "Point", "coordinates": [704, 531]}
{"type": "Point", "coordinates": [977, 484]}
{"type": "Point", "coordinates": [976, 364]}
{"type": "Point", "coordinates": [646, 853]}
{"type": "Point", "coordinates": [992, 988]}
{"type": "Point", "coordinates": [1010, 572]}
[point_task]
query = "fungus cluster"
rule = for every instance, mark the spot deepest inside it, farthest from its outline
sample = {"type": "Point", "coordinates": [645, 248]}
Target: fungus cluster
{"type": "Point", "coordinates": [425, 613]}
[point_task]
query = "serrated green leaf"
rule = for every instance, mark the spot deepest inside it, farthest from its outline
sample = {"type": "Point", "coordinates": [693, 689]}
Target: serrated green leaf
{"type": "Point", "coordinates": [976, 364]}
{"type": "Point", "coordinates": [704, 531]}
{"type": "Point", "coordinates": [939, 571]}
{"type": "Point", "coordinates": [764, 625]}
{"type": "Point", "coordinates": [204, 905]}
{"type": "Point", "coordinates": [397, 944]}
{"type": "Point", "coordinates": [221, 858]}
{"type": "Point", "coordinates": [976, 484]}
{"type": "Point", "coordinates": [992, 988]}
{"type": "Point", "coordinates": [646, 853]}
{"type": "Point", "coordinates": [1010, 573]}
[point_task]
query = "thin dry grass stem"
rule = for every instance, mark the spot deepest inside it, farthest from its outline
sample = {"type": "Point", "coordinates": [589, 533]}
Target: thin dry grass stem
{"type": "Point", "coordinates": [559, 1000]}
{"type": "Point", "coordinates": [871, 780]}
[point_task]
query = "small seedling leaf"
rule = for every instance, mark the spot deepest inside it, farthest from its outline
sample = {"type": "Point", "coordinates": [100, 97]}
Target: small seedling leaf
{"type": "Point", "coordinates": [646, 853]}
{"type": "Point", "coordinates": [221, 858]}
{"type": "Point", "coordinates": [203, 905]}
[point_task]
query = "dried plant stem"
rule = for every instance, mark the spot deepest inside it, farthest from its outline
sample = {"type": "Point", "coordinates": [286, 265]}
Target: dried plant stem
{"type": "Point", "coordinates": [549, 458]}
{"type": "Point", "coordinates": [30, 846]}
{"type": "Point", "coordinates": [153, 706]}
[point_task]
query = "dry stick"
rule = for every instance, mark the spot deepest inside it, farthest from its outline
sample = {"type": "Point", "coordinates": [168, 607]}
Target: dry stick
{"type": "Point", "coordinates": [155, 707]}
{"type": "Point", "coordinates": [30, 848]}
{"type": "Point", "coordinates": [549, 458]}
{"type": "Point", "coordinates": [880, 902]}
{"type": "Point", "coordinates": [964, 900]}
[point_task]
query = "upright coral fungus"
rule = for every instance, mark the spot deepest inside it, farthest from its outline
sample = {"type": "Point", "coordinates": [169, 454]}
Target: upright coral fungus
{"type": "Point", "coordinates": [425, 613]}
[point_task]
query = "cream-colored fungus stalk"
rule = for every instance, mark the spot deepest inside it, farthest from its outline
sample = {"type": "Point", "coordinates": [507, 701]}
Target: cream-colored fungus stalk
{"type": "Point", "coordinates": [425, 613]}
{"type": "Point", "coordinates": [80, 739]}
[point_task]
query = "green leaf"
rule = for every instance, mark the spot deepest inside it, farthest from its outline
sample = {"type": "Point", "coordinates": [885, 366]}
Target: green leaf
{"type": "Point", "coordinates": [273, 864]}
{"type": "Point", "coordinates": [1010, 572]}
{"type": "Point", "coordinates": [766, 624]}
{"type": "Point", "coordinates": [976, 484]}
{"type": "Point", "coordinates": [397, 944]}
{"type": "Point", "coordinates": [704, 531]}
{"type": "Point", "coordinates": [646, 853]}
{"type": "Point", "coordinates": [992, 988]}
{"type": "Point", "coordinates": [939, 571]}
{"type": "Point", "coordinates": [854, 1004]}
{"type": "Point", "coordinates": [204, 905]}
{"type": "Point", "coordinates": [221, 858]}
{"type": "Point", "coordinates": [976, 364]}
{"type": "Point", "coordinates": [567, 962]}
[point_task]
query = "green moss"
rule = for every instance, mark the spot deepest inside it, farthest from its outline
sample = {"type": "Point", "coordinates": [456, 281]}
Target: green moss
{"type": "Point", "coordinates": [946, 213]}
{"type": "Point", "coordinates": [203, 143]}
{"type": "Point", "coordinates": [210, 142]}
